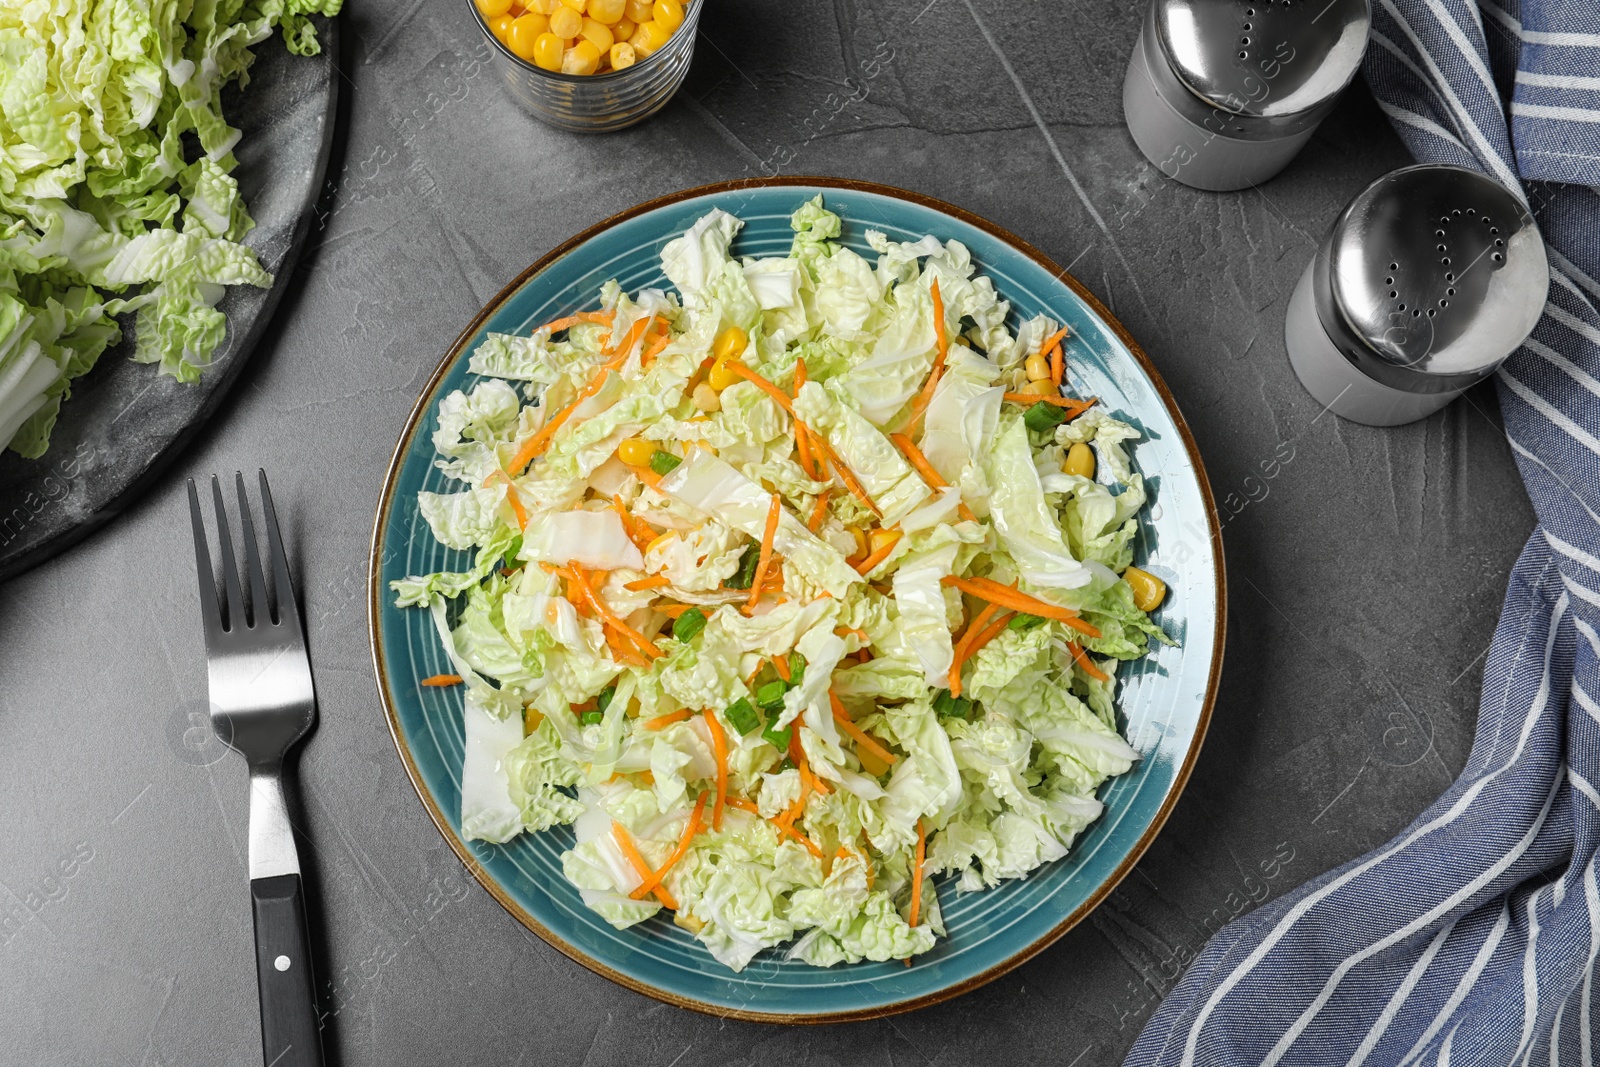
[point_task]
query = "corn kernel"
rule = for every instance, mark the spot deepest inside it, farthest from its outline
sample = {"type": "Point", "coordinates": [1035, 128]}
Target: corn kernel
{"type": "Point", "coordinates": [493, 9]}
{"type": "Point", "coordinates": [1148, 590]}
{"type": "Point", "coordinates": [721, 375]}
{"type": "Point", "coordinates": [863, 549]}
{"type": "Point", "coordinates": [501, 27]}
{"type": "Point", "coordinates": [622, 57]}
{"type": "Point", "coordinates": [1042, 387]}
{"type": "Point", "coordinates": [543, 7]}
{"type": "Point", "coordinates": [648, 37]}
{"type": "Point", "coordinates": [688, 922]}
{"type": "Point", "coordinates": [547, 51]}
{"type": "Point", "coordinates": [565, 23]}
{"type": "Point", "coordinates": [705, 396]}
{"type": "Point", "coordinates": [531, 718]}
{"type": "Point", "coordinates": [870, 762]}
{"type": "Point", "coordinates": [639, 10]}
{"type": "Point", "coordinates": [622, 30]}
{"type": "Point", "coordinates": [881, 538]}
{"type": "Point", "coordinates": [729, 343]}
{"type": "Point", "coordinates": [669, 13]}
{"type": "Point", "coordinates": [1037, 367]}
{"type": "Point", "coordinates": [635, 452]}
{"type": "Point", "coordinates": [524, 34]}
{"type": "Point", "coordinates": [576, 5]}
{"type": "Point", "coordinates": [609, 12]}
{"type": "Point", "coordinates": [597, 34]}
{"type": "Point", "coordinates": [1079, 461]}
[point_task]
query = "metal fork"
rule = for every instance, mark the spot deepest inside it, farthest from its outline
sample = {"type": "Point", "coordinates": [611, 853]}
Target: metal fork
{"type": "Point", "coordinates": [261, 704]}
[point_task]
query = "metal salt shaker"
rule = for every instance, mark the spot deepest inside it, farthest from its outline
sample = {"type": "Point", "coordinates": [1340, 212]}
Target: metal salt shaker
{"type": "Point", "coordinates": [1429, 279]}
{"type": "Point", "coordinates": [1221, 94]}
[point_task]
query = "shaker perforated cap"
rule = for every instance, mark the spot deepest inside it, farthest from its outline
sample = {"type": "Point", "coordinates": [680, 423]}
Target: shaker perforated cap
{"type": "Point", "coordinates": [1275, 65]}
{"type": "Point", "coordinates": [1431, 277]}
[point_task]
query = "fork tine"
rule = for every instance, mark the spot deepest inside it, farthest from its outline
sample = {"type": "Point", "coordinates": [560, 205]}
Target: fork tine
{"type": "Point", "coordinates": [209, 612]}
{"type": "Point", "coordinates": [236, 619]}
{"type": "Point", "coordinates": [261, 609]}
{"type": "Point", "coordinates": [282, 586]}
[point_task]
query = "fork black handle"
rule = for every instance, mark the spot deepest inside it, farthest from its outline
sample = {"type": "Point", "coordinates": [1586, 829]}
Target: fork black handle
{"type": "Point", "coordinates": [290, 1032]}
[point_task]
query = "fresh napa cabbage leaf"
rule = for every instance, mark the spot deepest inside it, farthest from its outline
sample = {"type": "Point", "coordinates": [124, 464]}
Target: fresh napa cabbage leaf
{"type": "Point", "coordinates": [1027, 528]}
{"type": "Point", "coordinates": [98, 194]}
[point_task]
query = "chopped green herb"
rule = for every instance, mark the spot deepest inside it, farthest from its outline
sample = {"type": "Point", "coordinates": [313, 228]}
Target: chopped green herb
{"type": "Point", "coordinates": [770, 696]}
{"type": "Point", "coordinates": [688, 624]}
{"type": "Point", "coordinates": [746, 574]}
{"type": "Point", "coordinates": [1023, 621]}
{"type": "Point", "coordinates": [603, 701]}
{"type": "Point", "coordinates": [742, 716]}
{"type": "Point", "coordinates": [591, 718]}
{"type": "Point", "coordinates": [663, 462]}
{"type": "Point", "coordinates": [1042, 417]}
{"type": "Point", "coordinates": [947, 706]}
{"type": "Point", "coordinates": [512, 551]}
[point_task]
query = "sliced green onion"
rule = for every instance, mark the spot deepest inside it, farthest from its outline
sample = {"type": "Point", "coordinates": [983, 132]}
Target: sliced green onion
{"type": "Point", "coordinates": [778, 739]}
{"type": "Point", "coordinates": [592, 718]}
{"type": "Point", "coordinates": [663, 462]}
{"type": "Point", "coordinates": [688, 624]}
{"type": "Point", "coordinates": [742, 716]}
{"type": "Point", "coordinates": [797, 668]}
{"type": "Point", "coordinates": [947, 706]}
{"type": "Point", "coordinates": [603, 701]}
{"type": "Point", "coordinates": [1042, 417]}
{"type": "Point", "coordinates": [1022, 621]}
{"type": "Point", "coordinates": [745, 576]}
{"type": "Point", "coordinates": [770, 696]}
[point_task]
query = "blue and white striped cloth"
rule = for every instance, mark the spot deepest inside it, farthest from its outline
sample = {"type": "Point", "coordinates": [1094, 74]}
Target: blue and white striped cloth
{"type": "Point", "coordinates": [1471, 938]}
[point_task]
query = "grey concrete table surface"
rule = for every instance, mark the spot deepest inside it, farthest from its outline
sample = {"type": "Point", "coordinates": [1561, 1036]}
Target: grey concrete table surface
{"type": "Point", "coordinates": [1366, 567]}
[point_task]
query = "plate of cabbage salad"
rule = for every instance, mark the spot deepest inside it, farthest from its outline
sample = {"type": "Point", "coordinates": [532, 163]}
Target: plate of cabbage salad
{"type": "Point", "coordinates": [782, 604]}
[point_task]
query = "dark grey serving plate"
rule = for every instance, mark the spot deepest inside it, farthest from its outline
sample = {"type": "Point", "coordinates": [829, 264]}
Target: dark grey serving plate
{"type": "Point", "coordinates": [125, 421]}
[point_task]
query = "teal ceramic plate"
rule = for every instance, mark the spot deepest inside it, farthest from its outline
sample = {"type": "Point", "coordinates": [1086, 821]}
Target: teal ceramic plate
{"type": "Point", "coordinates": [1167, 696]}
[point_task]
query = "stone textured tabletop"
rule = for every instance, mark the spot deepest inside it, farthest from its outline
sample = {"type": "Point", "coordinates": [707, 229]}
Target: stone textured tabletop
{"type": "Point", "coordinates": [1366, 567]}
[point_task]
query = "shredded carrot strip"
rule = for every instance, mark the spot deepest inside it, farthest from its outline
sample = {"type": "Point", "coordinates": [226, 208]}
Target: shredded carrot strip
{"type": "Point", "coordinates": [653, 582]}
{"type": "Point", "coordinates": [631, 338]}
{"type": "Point", "coordinates": [719, 748]}
{"type": "Point", "coordinates": [743, 805]}
{"type": "Point", "coordinates": [602, 318]}
{"type": "Point", "coordinates": [532, 445]}
{"type": "Point", "coordinates": [1083, 660]}
{"type": "Point", "coordinates": [819, 511]}
{"type": "Point", "coordinates": [774, 511]}
{"type": "Point", "coordinates": [661, 722]}
{"type": "Point", "coordinates": [989, 634]}
{"type": "Point", "coordinates": [845, 475]}
{"type": "Point", "coordinates": [881, 554]}
{"type": "Point", "coordinates": [622, 649]}
{"type": "Point", "coordinates": [781, 665]}
{"type": "Point", "coordinates": [963, 644]}
{"type": "Point", "coordinates": [439, 681]}
{"type": "Point", "coordinates": [653, 349]}
{"type": "Point", "coordinates": [925, 397]}
{"type": "Point", "coordinates": [1053, 340]}
{"type": "Point", "coordinates": [916, 876]}
{"type": "Point", "coordinates": [798, 754]}
{"type": "Point", "coordinates": [1008, 596]}
{"type": "Point", "coordinates": [761, 383]}
{"type": "Point", "coordinates": [862, 738]}
{"type": "Point", "coordinates": [789, 831]}
{"type": "Point", "coordinates": [557, 325]}
{"type": "Point", "coordinates": [860, 635]}
{"type": "Point", "coordinates": [802, 433]}
{"type": "Point", "coordinates": [1074, 407]}
{"type": "Point", "coordinates": [1058, 365]}
{"type": "Point", "coordinates": [690, 828]}
{"type": "Point", "coordinates": [700, 372]}
{"type": "Point", "coordinates": [619, 834]}
{"type": "Point", "coordinates": [672, 611]}
{"type": "Point", "coordinates": [929, 474]}
{"type": "Point", "coordinates": [611, 618]}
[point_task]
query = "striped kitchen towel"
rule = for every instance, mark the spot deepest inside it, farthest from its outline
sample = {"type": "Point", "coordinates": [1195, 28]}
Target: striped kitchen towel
{"type": "Point", "coordinates": [1471, 938]}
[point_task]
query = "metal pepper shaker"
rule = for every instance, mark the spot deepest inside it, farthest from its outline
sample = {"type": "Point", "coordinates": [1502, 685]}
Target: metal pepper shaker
{"type": "Point", "coordinates": [1428, 280]}
{"type": "Point", "coordinates": [1221, 94]}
